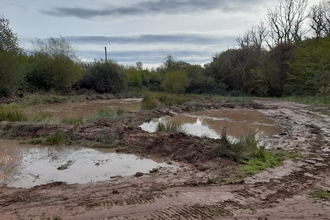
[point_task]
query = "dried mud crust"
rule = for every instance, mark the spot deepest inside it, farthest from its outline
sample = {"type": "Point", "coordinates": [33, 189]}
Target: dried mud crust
{"type": "Point", "coordinates": [279, 193]}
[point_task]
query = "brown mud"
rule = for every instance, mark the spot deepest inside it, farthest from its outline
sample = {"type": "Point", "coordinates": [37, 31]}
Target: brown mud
{"type": "Point", "coordinates": [283, 192]}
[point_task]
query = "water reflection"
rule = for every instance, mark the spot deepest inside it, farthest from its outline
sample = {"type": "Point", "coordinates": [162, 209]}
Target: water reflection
{"type": "Point", "coordinates": [238, 123]}
{"type": "Point", "coordinates": [27, 166]}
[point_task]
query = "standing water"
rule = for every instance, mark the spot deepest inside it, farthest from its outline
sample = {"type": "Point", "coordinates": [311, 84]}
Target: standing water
{"type": "Point", "coordinates": [28, 166]}
{"type": "Point", "coordinates": [238, 123]}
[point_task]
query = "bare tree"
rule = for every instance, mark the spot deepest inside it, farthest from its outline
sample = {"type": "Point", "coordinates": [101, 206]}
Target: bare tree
{"type": "Point", "coordinates": [254, 37]}
{"type": "Point", "coordinates": [286, 22]}
{"type": "Point", "coordinates": [320, 15]}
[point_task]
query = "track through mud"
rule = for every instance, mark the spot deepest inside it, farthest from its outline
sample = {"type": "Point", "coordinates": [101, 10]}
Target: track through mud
{"type": "Point", "coordinates": [283, 192]}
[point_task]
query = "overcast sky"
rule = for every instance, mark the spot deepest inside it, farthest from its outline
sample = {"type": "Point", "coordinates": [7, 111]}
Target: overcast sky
{"type": "Point", "coordinates": [138, 30]}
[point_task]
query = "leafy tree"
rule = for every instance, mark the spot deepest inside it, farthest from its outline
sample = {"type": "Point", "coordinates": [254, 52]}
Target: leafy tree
{"type": "Point", "coordinates": [311, 67]}
{"type": "Point", "coordinates": [12, 61]}
{"type": "Point", "coordinates": [272, 73]}
{"type": "Point", "coordinates": [8, 39]}
{"type": "Point", "coordinates": [175, 81]}
{"type": "Point", "coordinates": [53, 65]}
{"type": "Point", "coordinates": [105, 77]}
{"type": "Point", "coordinates": [134, 76]}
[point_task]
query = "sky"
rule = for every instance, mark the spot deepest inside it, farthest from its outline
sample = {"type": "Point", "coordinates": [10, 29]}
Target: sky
{"type": "Point", "coordinates": [138, 30]}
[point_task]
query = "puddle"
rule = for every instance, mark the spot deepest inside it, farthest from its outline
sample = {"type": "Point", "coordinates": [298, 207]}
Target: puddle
{"type": "Point", "coordinates": [27, 166]}
{"type": "Point", "coordinates": [238, 123]}
{"type": "Point", "coordinates": [85, 109]}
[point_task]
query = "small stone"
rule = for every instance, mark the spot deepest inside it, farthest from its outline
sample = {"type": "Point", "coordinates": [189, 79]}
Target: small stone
{"type": "Point", "coordinates": [138, 174]}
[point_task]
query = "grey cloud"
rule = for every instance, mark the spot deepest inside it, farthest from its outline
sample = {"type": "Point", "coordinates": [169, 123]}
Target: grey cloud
{"type": "Point", "coordinates": [154, 7]}
{"type": "Point", "coordinates": [148, 57]}
{"type": "Point", "coordinates": [151, 39]}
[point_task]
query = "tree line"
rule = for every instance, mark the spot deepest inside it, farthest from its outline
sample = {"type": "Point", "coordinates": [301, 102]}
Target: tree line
{"type": "Point", "coordinates": [277, 57]}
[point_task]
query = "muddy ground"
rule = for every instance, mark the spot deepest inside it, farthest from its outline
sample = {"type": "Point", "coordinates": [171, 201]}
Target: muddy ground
{"type": "Point", "coordinates": [188, 193]}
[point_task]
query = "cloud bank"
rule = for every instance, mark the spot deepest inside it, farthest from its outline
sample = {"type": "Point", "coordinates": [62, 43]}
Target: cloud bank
{"type": "Point", "coordinates": [153, 7]}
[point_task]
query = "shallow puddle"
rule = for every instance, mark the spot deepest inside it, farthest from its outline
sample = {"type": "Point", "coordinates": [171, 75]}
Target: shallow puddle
{"type": "Point", "coordinates": [27, 166]}
{"type": "Point", "coordinates": [238, 123]}
{"type": "Point", "coordinates": [85, 109]}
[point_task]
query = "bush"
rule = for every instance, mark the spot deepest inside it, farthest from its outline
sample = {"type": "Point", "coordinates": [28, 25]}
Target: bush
{"type": "Point", "coordinates": [175, 81]}
{"type": "Point", "coordinates": [104, 77]}
{"type": "Point", "coordinates": [53, 65]}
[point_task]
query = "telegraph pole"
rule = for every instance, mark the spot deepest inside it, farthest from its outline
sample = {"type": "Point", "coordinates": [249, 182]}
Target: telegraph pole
{"type": "Point", "coordinates": [105, 54]}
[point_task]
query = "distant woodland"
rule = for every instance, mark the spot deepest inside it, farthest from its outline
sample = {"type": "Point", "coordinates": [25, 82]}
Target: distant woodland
{"type": "Point", "coordinates": [287, 53]}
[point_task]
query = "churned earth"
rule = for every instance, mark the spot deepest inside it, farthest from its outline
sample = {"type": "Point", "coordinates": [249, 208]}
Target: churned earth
{"type": "Point", "coordinates": [188, 192]}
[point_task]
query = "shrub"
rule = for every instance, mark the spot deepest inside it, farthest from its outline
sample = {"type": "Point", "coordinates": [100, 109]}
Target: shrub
{"type": "Point", "coordinates": [104, 77]}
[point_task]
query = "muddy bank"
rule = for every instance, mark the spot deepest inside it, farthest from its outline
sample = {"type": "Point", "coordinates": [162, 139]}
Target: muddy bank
{"type": "Point", "coordinates": [276, 193]}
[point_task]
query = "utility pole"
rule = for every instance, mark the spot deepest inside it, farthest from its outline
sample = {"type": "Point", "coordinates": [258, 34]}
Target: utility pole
{"type": "Point", "coordinates": [105, 54]}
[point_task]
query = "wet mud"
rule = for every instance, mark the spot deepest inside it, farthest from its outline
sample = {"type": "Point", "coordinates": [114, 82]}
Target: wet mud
{"type": "Point", "coordinates": [282, 192]}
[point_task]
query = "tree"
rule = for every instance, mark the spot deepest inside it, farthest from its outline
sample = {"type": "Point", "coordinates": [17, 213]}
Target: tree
{"type": "Point", "coordinates": [286, 22]}
{"type": "Point", "coordinates": [105, 77]}
{"type": "Point", "coordinates": [8, 39]}
{"type": "Point", "coordinates": [54, 65]}
{"type": "Point", "coordinates": [271, 76]}
{"type": "Point", "coordinates": [253, 37]}
{"type": "Point", "coordinates": [320, 16]}
{"type": "Point", "coordinates": [175, 81]}
{"type": "Point", "coordinates": [311, 67]}
{"type": "Point", "coordinates": [12, 62]}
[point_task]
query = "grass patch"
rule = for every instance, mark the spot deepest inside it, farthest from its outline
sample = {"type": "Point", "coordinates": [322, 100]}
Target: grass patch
{"type": "Point", "coordinates": [169, 127]}
{"type": "Point", "coordinates": [312, 100]}
{"type": "Point", "coordinates": [321, 194]}
{"type": "Point", "coordinates": [56, 139]}
{"type": "Point", "coordinates": [45, 118]}
{"type": "Point", "coordinates": [75, 120]}
{"type": "Point", "coordinates": [153, 100]}
{"type": "Point", "coordinates": [12, 114]}
{"type": "Point", "coordinates": [105, 114]}
{"type": "Point", "coordinates": [251, 152]}
{"type": "Point", "coordinates": [45, 99]}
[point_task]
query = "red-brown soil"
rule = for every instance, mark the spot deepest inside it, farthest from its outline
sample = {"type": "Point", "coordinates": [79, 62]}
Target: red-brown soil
{"type": "Point", "coordinates": [283, 192]}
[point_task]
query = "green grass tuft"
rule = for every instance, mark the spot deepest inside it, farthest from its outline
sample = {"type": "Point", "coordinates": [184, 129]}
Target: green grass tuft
{"type": "Point", "coordinates": [321, 194]}
{"type": "Point", "coordinates": [169, 127]}
{"type": "Point", "coordinates": [12, 114]}
{"type": "Point", "coordinates": [104, 114]}
{"type": "Point", "coordinates": [75, 120]}
{"type": "Point", "coordinates": [58, 139]}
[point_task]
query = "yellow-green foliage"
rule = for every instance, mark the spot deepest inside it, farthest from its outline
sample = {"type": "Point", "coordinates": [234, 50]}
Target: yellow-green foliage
{"type": "Point", "coordinates": [175, 81]}
{"type": "Point", "coordinates": [134, 77]}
